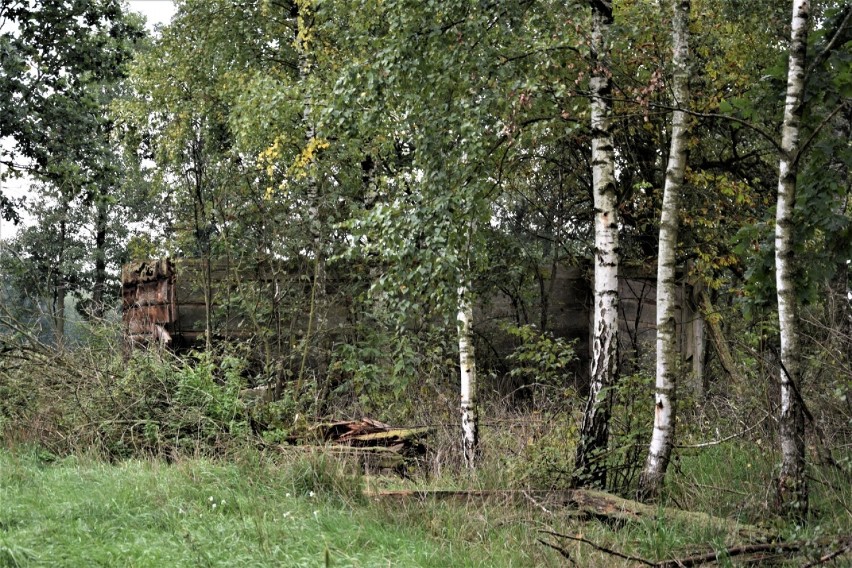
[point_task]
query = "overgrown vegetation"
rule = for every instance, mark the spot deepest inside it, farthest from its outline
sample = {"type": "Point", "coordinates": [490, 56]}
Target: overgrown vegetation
{"type": "Point", "coordinates": [159, 435]}
{"type": "Point", "coordinates": [341, 184]}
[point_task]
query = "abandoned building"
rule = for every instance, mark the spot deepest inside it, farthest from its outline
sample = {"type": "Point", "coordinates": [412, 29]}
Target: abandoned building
{"type": "Point", "coordinates": [164, 302]}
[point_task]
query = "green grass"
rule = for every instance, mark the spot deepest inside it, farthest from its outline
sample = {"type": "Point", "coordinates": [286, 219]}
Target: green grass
{"type": "Point", "coordinates": [82, 512]}
{"type": "Point", "coordinates": [254, 509]}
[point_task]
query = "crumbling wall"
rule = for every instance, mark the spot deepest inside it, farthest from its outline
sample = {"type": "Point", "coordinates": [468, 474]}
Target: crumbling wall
{"type": "Point", "coordinates": [163, 302]}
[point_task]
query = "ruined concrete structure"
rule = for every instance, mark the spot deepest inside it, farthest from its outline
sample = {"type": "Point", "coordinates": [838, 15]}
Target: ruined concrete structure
{"type": "Point", "coordinates": [149, 302]}
{"type": "Point", "coordinates": [569, 316]}
{"type": "Point", "coordinates": [163, 302]}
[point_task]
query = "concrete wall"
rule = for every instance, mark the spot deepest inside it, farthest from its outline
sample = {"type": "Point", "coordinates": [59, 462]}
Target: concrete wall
{"type": "Point", "coordinates": [164, 301]}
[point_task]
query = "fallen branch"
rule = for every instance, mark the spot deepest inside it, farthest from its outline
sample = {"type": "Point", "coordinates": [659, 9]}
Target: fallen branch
{"type": "Point", "coordinates": [847, 547]}
{"type": "Point", "coordinates": [726, 438]}
{"type": "Point", "coordinates": [774, 548]}
{"type": "Point", "coordinates": [595, 504]}
{"type": "Point", "coordinates": [564, 553]}
{"type": "Point", "coordinates": [603, 549]}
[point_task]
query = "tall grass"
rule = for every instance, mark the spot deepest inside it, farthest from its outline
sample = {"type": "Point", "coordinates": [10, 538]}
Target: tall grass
{"type": "Point", "coordinates": [261, 509]}
{"type": "Point", "coordinates": [147, 459]}
{"type": "Point", "coordinates": [80, 511]}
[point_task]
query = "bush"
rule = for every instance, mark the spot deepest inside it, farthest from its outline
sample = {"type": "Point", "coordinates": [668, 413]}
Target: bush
{"type": "Point", "coordinates": [145, 402]}
{"type": "Point", "coordinates": [541, 364]}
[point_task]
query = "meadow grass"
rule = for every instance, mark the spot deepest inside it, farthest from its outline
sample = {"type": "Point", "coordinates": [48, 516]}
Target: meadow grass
{"type": "Point", "coordinates": [256, 509]}
{"type": "Point", "coordinates": [79, 511]}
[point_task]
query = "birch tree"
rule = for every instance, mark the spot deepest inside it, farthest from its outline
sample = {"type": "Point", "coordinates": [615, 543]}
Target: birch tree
{"type": "Point", "coordinates": [307, 160]}
{"type": "Point", "coordinates": [467, 367]}
{"type": "Point", "coordinates": [594, 434]}
{"type": "Point", "coordinates": [667, 352]}
{"type": "Point", "coordinates": [792, 480]}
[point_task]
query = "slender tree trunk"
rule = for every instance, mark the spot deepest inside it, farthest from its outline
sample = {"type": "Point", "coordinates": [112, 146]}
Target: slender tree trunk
{"type": "Point", "coordinates": [594, 434]}
{"type": "Point", "coordinates": [316, 317]}
{"type": "Point", "coordinates": [100, 259]}
{"type": "Point", "coordinates": [699, 357]}
{"type": "Point", "coordinates": [717, 337]}
{"type": "Point", "coordinates": [792, 480]}
{"type": "Point", "coordinates": [467, 360]}
{"type": "Point", "coordinates": [662, 439]}
{"type": "Point", "coordinates": [838, 308]}
{"type": "Point", "coordinates": [60, 281]}
{"type": "Point", "coordinates": [203, 228]}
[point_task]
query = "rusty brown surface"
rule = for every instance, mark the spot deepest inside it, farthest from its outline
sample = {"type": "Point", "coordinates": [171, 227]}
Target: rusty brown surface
{"type": "Point", "coordinates": [163, 300]}
{"type": "Point", "coordinates": [148, 302]}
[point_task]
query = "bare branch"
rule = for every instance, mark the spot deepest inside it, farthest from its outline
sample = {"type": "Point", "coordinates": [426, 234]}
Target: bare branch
{"type": "Point", "coordinates": [601, 548]}
{"type": "Point", "coordinates": [726, 438]}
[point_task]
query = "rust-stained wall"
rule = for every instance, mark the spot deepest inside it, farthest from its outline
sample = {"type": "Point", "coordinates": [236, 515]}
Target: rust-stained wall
{"type": "Point", "coordinates": [149, 306]}
{"type": "Point", "coordinates": [163, 302]}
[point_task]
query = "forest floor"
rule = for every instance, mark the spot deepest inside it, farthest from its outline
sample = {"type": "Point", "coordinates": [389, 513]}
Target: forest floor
{"type": "Point", "coordinates": [255, 509]}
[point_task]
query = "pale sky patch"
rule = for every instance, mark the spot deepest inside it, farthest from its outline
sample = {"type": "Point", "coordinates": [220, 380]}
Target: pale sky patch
{"type": "Point", "coordinates": [155, 11]}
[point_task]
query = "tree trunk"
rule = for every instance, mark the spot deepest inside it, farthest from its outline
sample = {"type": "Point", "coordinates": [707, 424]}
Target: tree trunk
{"type": "Point", "coordinates": [99, 286]}
{"type": "Point", "coordinates": [467, 361]}
{"type": "Point", "coordinates": [699, 358]}
{"type": "Point", "coordinates": [594, 434]}
{"type": "Point", "coordinates": [662, 439]}
{"type": "Point", "coordinates": [717, 337]}
{"type": "Point", "coordinates": [316, 316]}
{"type": "Point", "coordinates": [60, 282]}
{"type": "Point", "coordinates": [203, 230]}
{"type": "Point", "coordinates": [792, 480]}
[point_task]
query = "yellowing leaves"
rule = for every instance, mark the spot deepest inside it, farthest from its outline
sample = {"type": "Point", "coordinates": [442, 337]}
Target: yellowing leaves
{"type": "Point", "coordinates": [307, 155]}
{"type": "Point", "coordinates": [268, 157]}
{"type": "Point", "coordinates": [274, 153]}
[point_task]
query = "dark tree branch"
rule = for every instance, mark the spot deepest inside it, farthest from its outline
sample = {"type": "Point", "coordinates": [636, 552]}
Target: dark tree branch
{"type": "Point", "coordinates": [823, 55]}
{"type": "Point", "coordinates": [562, 552]}
{"type": "Point", "coordinates": [802, 147]}
{"type": "Point", "coordinates": [601, 548]}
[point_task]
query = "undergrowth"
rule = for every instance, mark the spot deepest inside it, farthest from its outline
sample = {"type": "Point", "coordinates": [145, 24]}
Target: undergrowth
{"type": "Point", "coordinates": [145, 458]}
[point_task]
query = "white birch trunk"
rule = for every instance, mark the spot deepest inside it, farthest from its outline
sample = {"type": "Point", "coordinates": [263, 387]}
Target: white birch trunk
{"type": "Point", "coordinates": [316, 313]}
{"type": "Point", "coordinates": [659, 452]}
{"type": "Point", "coordinates": [594, 434]}
{"type": "Point", "coordinates": [792, 481]}
{"type": "Point", "coordinates": [467, 361]}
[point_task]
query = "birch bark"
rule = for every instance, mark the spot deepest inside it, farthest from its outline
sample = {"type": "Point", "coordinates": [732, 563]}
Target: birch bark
{"type": "Point", "coordinates": [792, 484]}
{"type": "Point", "coordinates": [594, 434]}
{"type": "Point", "coordinates": [659, 452]}
{"type": "Point", "coordinates": [467, 361]}
{"type": "Point", "coordinates": [307, 64]}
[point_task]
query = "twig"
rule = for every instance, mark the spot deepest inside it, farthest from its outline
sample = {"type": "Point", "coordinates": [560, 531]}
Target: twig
{"type": "Point", "coordinates": [536, 503]}
{"type": "Point", "coordinates": [847, 546]}
{"type": "Point", "coordinates": [728, 489]}
{"type": "Point", "coordinates": [601, 548]}
{"type": "Point", "coordinates": [726, 438]}
{"type": "Point", "coordinates": [564, 553]}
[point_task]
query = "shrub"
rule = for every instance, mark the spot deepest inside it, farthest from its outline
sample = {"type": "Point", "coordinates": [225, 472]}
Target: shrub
{"type": "Point", "coordinates": [120, 404]}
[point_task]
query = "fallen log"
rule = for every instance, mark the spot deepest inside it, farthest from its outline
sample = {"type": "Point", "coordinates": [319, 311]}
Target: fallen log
{"type": "Point", "coordinates": [592, 504]}
{"type": "Point", "coordinates": [377, 445]}
{"type": "Point", "coordinates": [754, 552]}
{"type": "Point", "coordinates": [371, 457]}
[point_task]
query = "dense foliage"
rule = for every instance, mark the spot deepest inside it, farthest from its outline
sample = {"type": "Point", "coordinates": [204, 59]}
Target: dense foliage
{"type": "Point", "coordinates": [384, 164]}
